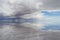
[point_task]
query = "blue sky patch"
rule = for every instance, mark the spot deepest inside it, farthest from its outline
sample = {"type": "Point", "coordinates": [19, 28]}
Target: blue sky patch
{"type": "Point", "coordinates": [51, 13]}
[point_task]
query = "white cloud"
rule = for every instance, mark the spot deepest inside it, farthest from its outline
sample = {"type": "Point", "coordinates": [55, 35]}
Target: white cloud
{"type": "Point", "coordinates": [29, 8]}
{"type": "Point", "coordinates": [41, 20]}
{"type": "Point", "coordinates": [33, 25]}
{"type": "Point", "coordinates": [39, 23]}
{"type": "Point", "coordinates": [10, 7]}
{"type": "Point", "coordinates": [33, 15]}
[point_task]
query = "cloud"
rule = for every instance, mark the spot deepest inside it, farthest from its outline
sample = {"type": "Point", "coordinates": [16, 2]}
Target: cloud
{"type": "Point", "coordinates": [11, 7]}
{"type": "Point", "coordinates": [31, 9]}
{"type": "Point", "coordinates": [22, 7]}
{"type": "Point", "coordinates": [33, 15]}
{"type": "Point", "coordinates": [40, 20]}
{"type": "Point", "coordinates": [53, 4]}
{"type": "Point", "coordinates": [33, 25]}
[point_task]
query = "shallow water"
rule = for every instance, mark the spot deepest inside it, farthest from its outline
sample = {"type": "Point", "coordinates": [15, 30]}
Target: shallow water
{"type": "Point", "coordinates": [17, 32]}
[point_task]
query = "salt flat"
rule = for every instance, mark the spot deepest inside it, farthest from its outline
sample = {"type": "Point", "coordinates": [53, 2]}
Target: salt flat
{"type": "Point", "coordinates": [25, 33]}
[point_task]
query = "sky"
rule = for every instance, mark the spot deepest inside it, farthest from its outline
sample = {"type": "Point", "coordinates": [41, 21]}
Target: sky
{"type": "Point", "coordinates": [42, 13]}
{"type": "Point", "coordinates": [47, 20]}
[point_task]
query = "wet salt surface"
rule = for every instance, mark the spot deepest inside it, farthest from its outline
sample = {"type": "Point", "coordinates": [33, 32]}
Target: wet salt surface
{"type": "Point", "coordinates": [8, 32]}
